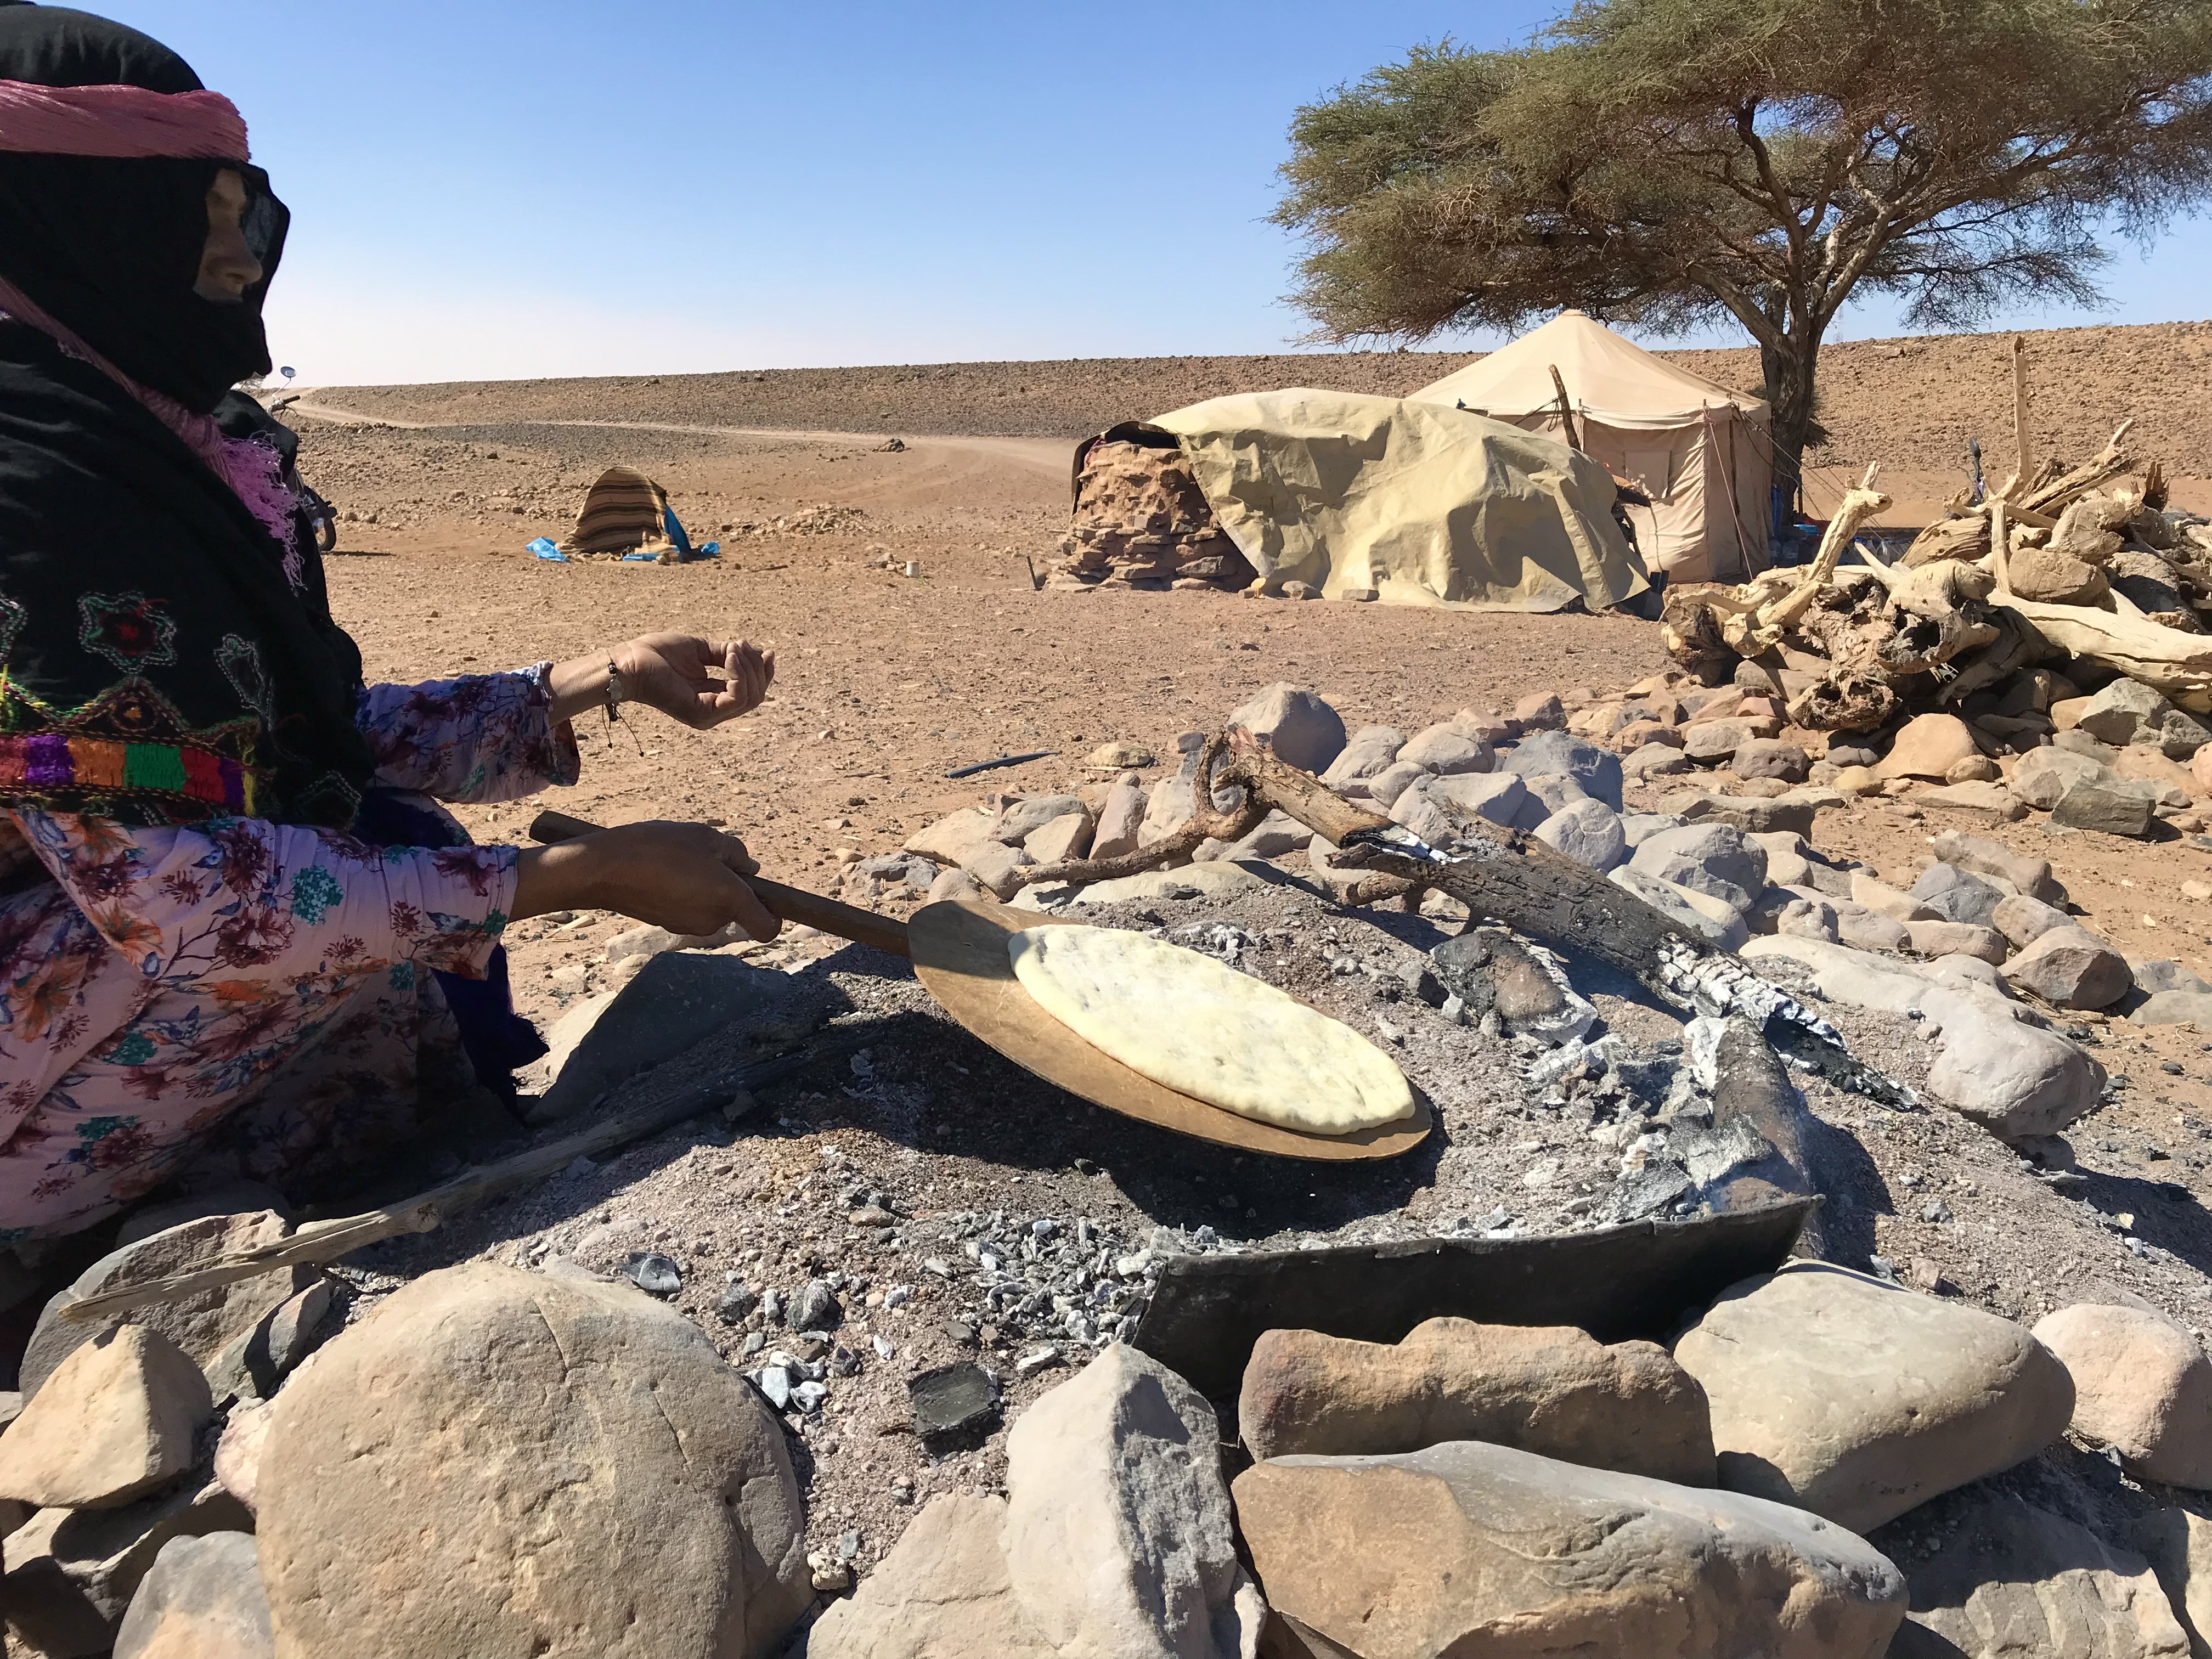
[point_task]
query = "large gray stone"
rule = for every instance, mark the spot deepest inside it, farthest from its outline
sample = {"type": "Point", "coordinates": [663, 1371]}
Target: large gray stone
{"type": "Point", "coordinates": [2180, 736]}
{"type": "Point", "coordinates": [1385, 786]}
{"type": "Point", "coordinates": [2141, 1386]}
{"type": "Point", "coordinates": [1960, 938]}
{"type": "Point", "coordinates": [1726, 932]}
{"type": "Point", "coordinates": [1655, 760]}
{"type": "Point", "coordinates": [1587, 831]}
{"type": "Point", "coordinates": [2164, 974]}
{"type": "Point", "coordinates": [2174, 1008]}
{"type": "Point", "coordinates": [953, 839]}
{"type": "Point", "coordinates": [1277, 836]}
{"type": "Point", "coordinates": [678, 998]}
{"type": "Point", "coordinates": [1553, 1390]}
{"type": "Point", "coordinates": [2123, 712]}
{"type": "Point", "coordinates": [2014, 1078]}
{"type": "Point", "coordinates": [2114, 806]}
{"type": "Point", "coordinates": [1301, 729]}
{"type": "Point", "coordinates": [502, 1462]}
{"type": "Point", "coordinates": [1022, 817]}
{"type": "Point", "coordinates": [1836, 1392]}
{"type": "Point", "coordinates": [1173, 801]}
{"type": "Point", "coordinates": [1596, 769]}
{"type": "Point", "coordinates": [1751, 815]}
{"type": "Point", "coordinates": [2044, 775]}
{"type": "Point", "coordinates": [2023, 920]}
{"type": "Point", "coordinates": [1770, 757]}
{"type": "Point", "coordinates": [1119, 819]}
{"type": "Point", "coordinates": [1556, 790]}
{"type": "Point", "coordinates": [203, 1325]}
{"type": "Point", "coordinates": [1444, 750]}
{"type": "Point", "coordinates": [1984, 857]}
{"type": "Point", "coordinates": [1119, 1538]}
{"type": "Point", "coordinates": [1956, 894]}
{"type": "Point", "coordinates": [201, 1600]}
{"type": "Point", "coordinates": [1498, 797]}
{"type": "Point", "coordinates": [1416, 810]}
{"type": "Point", "coordinates": [1706, 858]}
{"type": "Point", "coordinates": [1370, 752]}
{"type": "Point", "coordinates": [1470, 1549]}
{"type": "Point", "coordinates": [2071, 968]}
{"type": "Point", "coordinates": [1994, 1577]}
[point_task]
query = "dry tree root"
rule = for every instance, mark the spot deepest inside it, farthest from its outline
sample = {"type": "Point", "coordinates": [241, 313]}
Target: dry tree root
{"type": "Point", "coordinates": [1208, 823]}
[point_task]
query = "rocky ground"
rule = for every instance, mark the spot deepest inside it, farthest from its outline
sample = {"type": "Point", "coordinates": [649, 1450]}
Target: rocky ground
{"type": "Point", "coordinates": [903, 1202]}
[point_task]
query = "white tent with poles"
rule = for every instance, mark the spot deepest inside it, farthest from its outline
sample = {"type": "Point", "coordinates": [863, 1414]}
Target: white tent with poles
{"type": "Point", "coordinates": [1701, 451]}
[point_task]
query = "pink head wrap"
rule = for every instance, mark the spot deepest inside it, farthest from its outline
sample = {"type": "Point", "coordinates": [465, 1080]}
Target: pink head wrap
{"type": "Point", "coordinates": [124, 123]}
{"type": "Point", "coordinates": [120, 123]}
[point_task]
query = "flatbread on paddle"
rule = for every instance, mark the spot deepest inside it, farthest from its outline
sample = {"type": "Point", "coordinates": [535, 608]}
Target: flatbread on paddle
{"type": "Point", "coordinates": [1199, 1027]}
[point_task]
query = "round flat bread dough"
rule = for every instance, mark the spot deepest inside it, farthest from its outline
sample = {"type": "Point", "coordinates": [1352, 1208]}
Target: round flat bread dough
{"type": "Point", "coordinates": [1200, 1027]}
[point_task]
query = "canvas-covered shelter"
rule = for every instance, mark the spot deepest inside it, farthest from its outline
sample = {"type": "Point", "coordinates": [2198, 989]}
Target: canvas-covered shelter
{"type": "Point", "coordinates": [1701, 451]}
{"type": "Point", "coordinates": [1386, 499]}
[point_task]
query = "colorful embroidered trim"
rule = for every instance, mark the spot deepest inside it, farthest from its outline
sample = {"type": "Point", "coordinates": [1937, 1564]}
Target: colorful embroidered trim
{"type": "Point", "coordinates": [50, 761]}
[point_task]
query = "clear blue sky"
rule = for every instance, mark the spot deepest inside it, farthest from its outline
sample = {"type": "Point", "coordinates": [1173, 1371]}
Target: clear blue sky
{"type": "Point", "coordinates": [488, 188]}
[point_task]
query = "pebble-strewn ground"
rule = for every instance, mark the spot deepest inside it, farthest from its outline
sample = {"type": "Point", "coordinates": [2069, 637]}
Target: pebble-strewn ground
{"type": "Point", "coordinates": [886, 682]}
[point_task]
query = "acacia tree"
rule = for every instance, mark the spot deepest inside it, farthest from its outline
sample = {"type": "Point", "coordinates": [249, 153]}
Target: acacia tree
{"type": "Point", "coordinates": [1666, 162]}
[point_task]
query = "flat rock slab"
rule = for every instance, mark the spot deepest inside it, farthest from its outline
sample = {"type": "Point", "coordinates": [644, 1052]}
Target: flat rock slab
{"type": "Point", "coordinates": [952, 1400]}
{"type": "Point", "coordinates": [1850, 1397]}
{"type": "Point", "coordinates": [500, 1462]}
{"type": "Point", "coordinates": [203, 1325]}
{"type": "Point", "coordinates": [1468, 1548]}
{"type": "Point", "coordinates": [1549, 1389]}
{"type": "Point", "coordinates": [678, 998]}
{"type": "Point", "coordinates": [1994, 1577]}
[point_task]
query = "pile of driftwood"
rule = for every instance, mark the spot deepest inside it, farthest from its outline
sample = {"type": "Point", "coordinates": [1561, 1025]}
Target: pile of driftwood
{"type": "Point", "coordinates": [2086, 563]}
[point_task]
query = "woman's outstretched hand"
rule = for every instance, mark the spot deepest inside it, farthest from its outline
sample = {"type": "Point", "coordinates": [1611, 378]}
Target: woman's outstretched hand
{"type": "Point", "coordinates": [687, 878]}
{"type": "Point", "coordinates": [669, 673]}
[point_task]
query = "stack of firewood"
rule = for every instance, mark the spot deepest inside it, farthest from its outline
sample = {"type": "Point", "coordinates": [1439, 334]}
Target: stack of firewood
{"type": "Point", "coordinates": [2087, 563]}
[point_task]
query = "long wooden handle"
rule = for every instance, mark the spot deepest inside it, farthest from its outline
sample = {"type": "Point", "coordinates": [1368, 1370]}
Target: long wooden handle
{"type": "Point", "coordinates": [792, 904]}
{"type": "Point", "coordinates": [321, 1242]}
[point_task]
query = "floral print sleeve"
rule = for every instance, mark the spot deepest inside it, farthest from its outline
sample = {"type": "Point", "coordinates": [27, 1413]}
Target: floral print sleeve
{"type": "Point", "coordinates": [481, 738]}
{"type": "Point", "coordinates": [274, 901]}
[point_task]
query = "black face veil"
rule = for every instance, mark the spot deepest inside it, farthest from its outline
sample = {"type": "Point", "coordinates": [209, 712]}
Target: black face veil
{"type": "Point", "coordinates": [110, 248]}
{"type": "Point", "coordinates": [167, 654]}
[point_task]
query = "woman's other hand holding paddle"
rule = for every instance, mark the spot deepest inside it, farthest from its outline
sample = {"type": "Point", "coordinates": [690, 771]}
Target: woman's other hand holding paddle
{"type": "Point", "coordinates": [687, 878]}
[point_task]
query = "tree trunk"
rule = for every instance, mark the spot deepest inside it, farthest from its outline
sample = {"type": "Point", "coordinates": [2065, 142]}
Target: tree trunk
{"type": "Point", "coordinates": [1789, 368]}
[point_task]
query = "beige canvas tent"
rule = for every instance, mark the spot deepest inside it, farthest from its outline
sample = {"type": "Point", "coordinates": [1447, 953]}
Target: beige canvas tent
{"type": "Point", "coordinates": [1407, 502]}
{"type": "Point", "coordinates": [1698, 450]}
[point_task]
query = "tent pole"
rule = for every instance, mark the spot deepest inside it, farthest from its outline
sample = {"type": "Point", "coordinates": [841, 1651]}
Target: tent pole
{"type": "Point", "coordinates": [1567, 409]}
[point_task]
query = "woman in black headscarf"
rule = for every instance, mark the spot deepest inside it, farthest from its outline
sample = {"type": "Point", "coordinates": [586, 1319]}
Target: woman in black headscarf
{"type": "Point", "coordinates": [234, 932]}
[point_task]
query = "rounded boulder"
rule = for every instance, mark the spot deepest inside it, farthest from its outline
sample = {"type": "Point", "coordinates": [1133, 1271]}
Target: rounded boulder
{"type": "Point", "coordinates": [496, 1463]}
